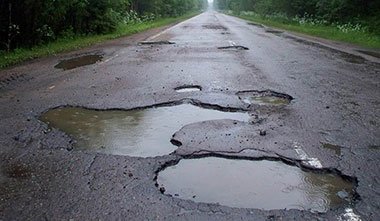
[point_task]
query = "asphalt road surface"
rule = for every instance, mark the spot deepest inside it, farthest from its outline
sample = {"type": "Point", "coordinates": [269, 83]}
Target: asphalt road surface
{"type": "Point", "coordinates": [331, 125]}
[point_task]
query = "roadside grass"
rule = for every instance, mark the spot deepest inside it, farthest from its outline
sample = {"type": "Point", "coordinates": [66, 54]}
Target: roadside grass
{"type": "Point", "coordinates": [77, 42]}
{"type": "Point", "coordinates": [364, 39]}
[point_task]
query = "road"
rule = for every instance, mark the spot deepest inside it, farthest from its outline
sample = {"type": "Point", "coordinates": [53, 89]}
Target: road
{"type": "Point", "coordinates": [336, 103]}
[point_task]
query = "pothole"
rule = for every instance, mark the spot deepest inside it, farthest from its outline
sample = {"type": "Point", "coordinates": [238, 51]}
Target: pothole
{"type": "Point", "coordinates": [157, 43]}
{"type": "Point", "coordinates": [374, 147]}
{"type": "Point", "coordinates": [266, 185]}
{"type": "Point", "coordinates": [335, 148]}
{"type": "Point", "coordinates": [352, 58]}
{"type": "Point", "coordinates": [370, 53]}
{"type": "Point", "coordinates": [255, 24]}
{"type": "Point", "coordinates": [273, 31]}
{"type": "Point", "coordinates": [79, 62]}
{"type": "Point", "coordinates": [270, 98]}
{"type": "Point", "coordinates": [142, 133]}
{"type": "Point", "coordinates": [215, 27]}
{"type": "Point", "coordinates": [18, 171]}
{"type": "Point", "coordinates": [188, 88]}
{"type": "Point", "coordinates": [233, 47]}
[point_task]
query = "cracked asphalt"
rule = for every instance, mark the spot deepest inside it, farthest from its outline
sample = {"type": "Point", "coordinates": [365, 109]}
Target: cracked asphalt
{"type": "Point", "coordinates": [336, 93]}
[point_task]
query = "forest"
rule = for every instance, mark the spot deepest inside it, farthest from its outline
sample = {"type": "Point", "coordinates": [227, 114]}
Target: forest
{"type": "Point", "coordinates": [365, 13]}
{"type": "Point", "coordinates": [25, 23]}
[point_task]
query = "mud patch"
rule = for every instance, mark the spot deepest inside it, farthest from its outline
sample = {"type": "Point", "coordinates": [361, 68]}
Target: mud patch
{"type": "Point", "coordinates": [157, 43]}
{"type": "Point", "coordinates": [335, 148]}
{"type": "Point", "coordinates": [215, 27]}
{"type": "Point", "coordinates": [188, 88]}
{"type": "Point", "coordinates": [265, 185]}
{"type": "Point", "coordinates": [270, 98]}
{"type": "Point", "coordinates": [370, 53]}
{"type": "Point", "coordinates": [140, 132]}
{"type": "Point", "coordinates": [234, 47]}
{"type": "Point", "coordinates": [79, 62]}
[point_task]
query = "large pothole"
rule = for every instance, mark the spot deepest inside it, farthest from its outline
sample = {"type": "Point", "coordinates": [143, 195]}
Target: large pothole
{"type": "Point", "coordinates": [143, 132]}
{"type": "Point", "coordinates": [188, 88]}
{"type": "Point", "coordinates": [266, 185]}
{"type": "Point", "coordinates": [79, 62]}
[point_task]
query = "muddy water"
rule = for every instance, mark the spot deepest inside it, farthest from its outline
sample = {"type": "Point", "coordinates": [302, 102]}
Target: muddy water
{"type": "Point", "coordinates": [263, 185]}
{"type": "Point", "coordinates": [79, 62]}
{"type": "Point", "coordinates": [143, 133]}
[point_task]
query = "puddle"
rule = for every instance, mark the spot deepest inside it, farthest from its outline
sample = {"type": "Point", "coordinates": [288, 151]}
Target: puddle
{"type": "Point", "coordinates": [265, 98]}
{"type": "Point", "coordinates": [78, 62]}
{"type": "Point", "coordinates": [157, 43]}
{"type": "Point", "coordinates": [234, 47]}
{"type": "Point", "coordinates": [188, 88]}
{"type": "Point", "coordinates": [266, 185]}
{"type": "Point", "coordinates": [370, 53]}
{"type": "Point", "coordinates": [142, 133]}
{"type": "Point", "coordinates": [337, 149]}
{"type": "Point", "coordinates": [215, 27]}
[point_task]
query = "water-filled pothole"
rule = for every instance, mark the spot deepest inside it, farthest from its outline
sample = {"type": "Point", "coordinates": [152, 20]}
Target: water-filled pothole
{"type": "Point", "coordinates": [78, 62]}
{"type": "Point", "coordinates": [188, 88]}
{"type": "Point", "coordinates": [266, 185]}
{"type": "Point", "coordinates": [157, 43]}
{"type": "Point", "coordinates": [143, 132]}
{"type": "Point", "coordinates": [233, 47]}
{"type": "Point", "coordinates": [265, 98]}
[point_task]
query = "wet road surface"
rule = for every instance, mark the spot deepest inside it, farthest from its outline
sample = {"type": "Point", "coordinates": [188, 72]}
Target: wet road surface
{"type": "Point", "coordinates": [310, 106]}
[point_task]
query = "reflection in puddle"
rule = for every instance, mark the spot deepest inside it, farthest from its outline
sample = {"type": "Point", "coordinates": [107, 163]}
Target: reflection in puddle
{"type": "Point", "coordinates": [79, 62]}
{"type": "Point", "coordinates": [265, 98]}
{"type": "Point", "coordinates": [264, 185]}
{"type": "Point", "coordinates": [143, 133]}
{"type": "Point", "coordinates": [337, 149]}
{"type": "Point", "coordinates": [188, 88]}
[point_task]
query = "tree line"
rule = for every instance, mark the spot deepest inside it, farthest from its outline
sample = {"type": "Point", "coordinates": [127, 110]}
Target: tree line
{"type": "Point", "coordinates": [365, 12]}
{"type": "Point", "coordinates": [31, 22]}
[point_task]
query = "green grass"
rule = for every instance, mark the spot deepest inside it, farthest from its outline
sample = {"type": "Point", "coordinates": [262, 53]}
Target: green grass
{"type": "Point", "coordinates": [363, 39]}
{"type": "Point", "coordinates": [63, 45]}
